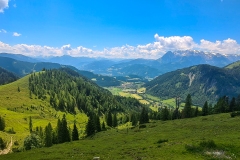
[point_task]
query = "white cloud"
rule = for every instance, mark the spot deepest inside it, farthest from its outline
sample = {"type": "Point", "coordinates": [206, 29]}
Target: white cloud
{"type": "Point", "coordinates": [15, 34]}
{"type": "Point", "coordinates": [152, 50]}
{"type": "Point", "coordinates": [3, 31]}
{"type": "Point", "coordinates": [228, 46]}
{"type": "Point", "coordinates": [3, 5]}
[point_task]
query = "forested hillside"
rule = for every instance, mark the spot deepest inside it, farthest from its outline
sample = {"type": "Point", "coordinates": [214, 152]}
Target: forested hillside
{"type": "Point", "coordinates": [203, 82]}
{"type": "Point", "coordinates": [67, 90]}
{"type": "Point", "coordinates": [6, 76]}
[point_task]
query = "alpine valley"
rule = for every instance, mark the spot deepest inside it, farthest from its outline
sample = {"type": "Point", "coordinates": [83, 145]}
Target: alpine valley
{"type": "Point", "coordinates": [184, 105]}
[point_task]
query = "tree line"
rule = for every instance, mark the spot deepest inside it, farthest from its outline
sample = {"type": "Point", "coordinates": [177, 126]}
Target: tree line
{"type": "Point", "coordinates": [223, 105]}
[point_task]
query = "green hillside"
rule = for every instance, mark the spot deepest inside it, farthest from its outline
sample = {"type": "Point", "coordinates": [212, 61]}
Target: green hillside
{"type": "Point", "coordinates": [232, 65]}
{"type": "Point", "coordinates": [47, 95]}
{"type": "Point", "coordinates": [210, 137]}
{"type": "Point", "coordinates": [16, 108]}
{"type": "Point", "coordinates": [203, 82]}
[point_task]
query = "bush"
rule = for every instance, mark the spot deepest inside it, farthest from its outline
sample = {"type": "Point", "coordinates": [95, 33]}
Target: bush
{"type": "Point", "coordinates": [2, 144]}
{"type": "Point", "coordinates": [162, 140]}
{"type": "Point", "coordinates": [210, 144]}
{"type": "Point", "coordinates": [11, 131]}
{"type": "Point", "coordinates": [234, 114]}
{"type": "Point", "coordinates": [32, 141]}
{"type": "Point", "coordinates": [142, 126]}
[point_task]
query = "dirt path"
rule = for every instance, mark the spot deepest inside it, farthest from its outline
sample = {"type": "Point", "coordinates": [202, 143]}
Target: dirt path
{"type": "Point", "coordinates": [8, 149]}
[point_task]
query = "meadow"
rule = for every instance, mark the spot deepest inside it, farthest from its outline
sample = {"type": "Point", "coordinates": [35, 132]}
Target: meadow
{"type": "Point", "coordinates": [167, 140]}
{"type": "Point", "coordinates": [16, 107]}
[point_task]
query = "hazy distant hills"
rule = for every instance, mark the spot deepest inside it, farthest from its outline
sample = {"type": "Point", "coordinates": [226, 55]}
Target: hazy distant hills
{"type": "Point", "coordinates": [19, 57]}
{"type": "Point", "coordinates": [145, 68]}
{"type": "Point", "coordinates": [203, 82]}
{"type": "Point", "coordinates": [22, 68]}
{"type": "Point", "coordinates": [170, 61]}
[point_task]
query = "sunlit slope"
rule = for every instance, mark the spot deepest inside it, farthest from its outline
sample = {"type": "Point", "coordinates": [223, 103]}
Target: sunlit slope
{"type": "Point", "coordinates": [16, 107]}
{"type": "Point", "coordinates": [159, 140]}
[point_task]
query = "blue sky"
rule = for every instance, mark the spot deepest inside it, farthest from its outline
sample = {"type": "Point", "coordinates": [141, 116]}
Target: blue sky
{"type": "Point", "coordinates": [122, 29]}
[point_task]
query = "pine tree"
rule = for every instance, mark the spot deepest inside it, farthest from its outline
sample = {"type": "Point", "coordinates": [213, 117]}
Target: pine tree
{"type": "Point", "coordinates": [115, 123]}
{"type": "Point", "coordinates": [187, 111]}
{"type": "Point", "coordinates": [59, 132]}
{"type": "Point", "coordinates": [233, 106]}
{"type": "Point", "coordinates": [90, 128]}
{"type": "Point", "coordinates": [164, 114]}
{"type": "Point", "coordinates": [238, 103]}
{"type": "Point", "coordinates": [65, 131]}
{"type": "Point", "coordinates": [30, 124]}
{"type": "Point", "coordinates": [205, 109]}
{"type": "Point", "coordinates": [48, 135]}
{"type": "Point", "coordinates": [109, 119]}
{"type": "Point", "coordinates": [2, 124]}
{"type": "Point", "coordinates": [98, 124]}
{"type": "Point", "coordinates": [75, 135]}
{"type": "Point", "coordinates": [196, 112]}
{"type": "Point", "coordinates": [144, 116]}
{"type": "Point", "coordinates": [134, 119]}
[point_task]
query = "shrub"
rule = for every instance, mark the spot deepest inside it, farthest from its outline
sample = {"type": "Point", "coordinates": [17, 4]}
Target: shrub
{"type": "Point", "coordinates": [162, 140]}
{"type": "Point", "coordinates": [234, 114]}
{"type": "Point", "coordinates": [210, 144]}
{"type": "Point", "coordinates": [2, 144]}
{"type": "Point", "coordinates": [142, 126]}
{"type": "Point", "coordinates": [32, 141]}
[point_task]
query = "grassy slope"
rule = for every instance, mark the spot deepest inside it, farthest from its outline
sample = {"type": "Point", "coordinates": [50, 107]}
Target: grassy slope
{"type": "Point", "coordinates": [235, 64]}
{"type": "Point", "coordinates": [15, 108]}
{"type": "Point", "coordinates": [113, 144]}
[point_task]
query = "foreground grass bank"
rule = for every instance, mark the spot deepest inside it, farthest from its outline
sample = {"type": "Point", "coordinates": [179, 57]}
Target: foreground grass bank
{"type": "Point", "coordinates": [177, 139]}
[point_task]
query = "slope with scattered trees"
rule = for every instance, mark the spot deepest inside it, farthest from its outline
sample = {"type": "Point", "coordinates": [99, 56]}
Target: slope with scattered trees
{"type": "Point", "coordinates": [203, 82]}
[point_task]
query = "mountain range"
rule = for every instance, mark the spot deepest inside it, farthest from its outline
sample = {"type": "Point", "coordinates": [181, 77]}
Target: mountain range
{"type": "Point", "coordinates": [145, 68]}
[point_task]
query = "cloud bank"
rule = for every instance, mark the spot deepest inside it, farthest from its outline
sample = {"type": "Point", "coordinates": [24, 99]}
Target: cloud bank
{"type": "Point", "coordinates": [152, 50]}
{"type": "Point", "coordinates": [3, 5]}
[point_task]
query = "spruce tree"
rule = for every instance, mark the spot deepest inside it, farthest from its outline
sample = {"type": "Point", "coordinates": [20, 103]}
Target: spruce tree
{"type": "Point", "coordinates": [75, 135]}
{"type": "Point", "coordinates": [134, 119]}
{"type": "Point", "coordinates": [59, 132]}
{"type": "Point", "coordinates": [115, 120]}
{"type": "Point", "coordinates": [196, 112]}
{"type": "Point", "coordinates": [30, 124]}
{"type": "Point", "coordinates": [238, 103]}
{"type": "Point", "coordinates": [144, 116]}
{"type": "Point", "coordinates": [164, 114]}
{"type": "Point", "coordinates": [187, 111]}
{"type": "Point", "coordinates": [2, 124]}
{"type": "Point", "coordinates": [90, 128]}
{"type": "Point", "coordinates": [205, 109]}
{"type": "Point", "coordinates": [48, 135]}
{"type": "Point", "coordinates": [103, 126]}
{"type": "Point", "coordinates": [109, 119]}
{"type": "Point", "coordinates": [98, 124]}
{"type": "Point", "coordinates": [65, 131]}
{"type": "Point", "coordinates": [232, 105]}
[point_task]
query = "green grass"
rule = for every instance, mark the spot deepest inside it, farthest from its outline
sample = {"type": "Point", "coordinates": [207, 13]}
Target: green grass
{"type": "Point", "coordinates": [231, 66]}
{"type": "Point", "coordinates": [114, 90]}
{"type": "Point", "coordinates": [16, 108]}
{"type": "Point", "coordinates": [152, 97]}
{"type": "Point", "coordinates": [159, 140]}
